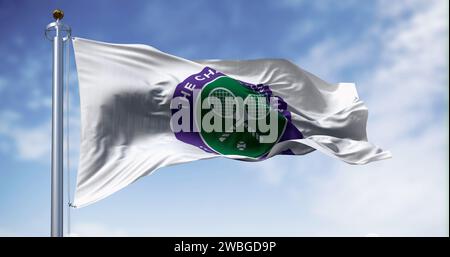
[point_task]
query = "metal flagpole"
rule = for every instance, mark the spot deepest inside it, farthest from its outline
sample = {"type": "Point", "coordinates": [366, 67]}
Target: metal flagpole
{"type": "Point", "coordinates": [58, 33]}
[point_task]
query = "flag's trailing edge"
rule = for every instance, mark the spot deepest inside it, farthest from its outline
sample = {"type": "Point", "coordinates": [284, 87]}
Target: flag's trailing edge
{"type": "Point", "coordinates": [132, 95]}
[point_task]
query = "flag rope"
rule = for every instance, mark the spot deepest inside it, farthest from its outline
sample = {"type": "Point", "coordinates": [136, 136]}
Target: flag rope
{"type": "Point", "coordinates": [68, 137]}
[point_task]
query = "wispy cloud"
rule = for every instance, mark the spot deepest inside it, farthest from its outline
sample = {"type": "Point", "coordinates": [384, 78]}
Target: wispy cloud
{"type": "Point", "coordinates": [408, 194]}
{"type": "Point", "coordinates": [405, 90]}
{"type": "Point", "coordinates": [29, 143]}
{"type": "Point", "coordinates": [32, 143]}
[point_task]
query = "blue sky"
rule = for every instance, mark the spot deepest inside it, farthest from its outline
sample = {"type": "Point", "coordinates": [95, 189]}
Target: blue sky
{"type": "Point", "coordinates": [395, 51]}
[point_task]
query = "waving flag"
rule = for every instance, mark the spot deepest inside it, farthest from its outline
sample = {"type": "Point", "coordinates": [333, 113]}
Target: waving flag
{"type": "Point", "coordinates": [142, 109]}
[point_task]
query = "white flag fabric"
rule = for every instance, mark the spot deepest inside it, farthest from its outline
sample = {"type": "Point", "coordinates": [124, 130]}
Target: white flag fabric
{"type": "Point", "coordinates": [127, 114]}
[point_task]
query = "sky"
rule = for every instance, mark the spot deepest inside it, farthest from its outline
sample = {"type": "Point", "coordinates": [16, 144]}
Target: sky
{"type": "Point", "coordinates": [395, 51]}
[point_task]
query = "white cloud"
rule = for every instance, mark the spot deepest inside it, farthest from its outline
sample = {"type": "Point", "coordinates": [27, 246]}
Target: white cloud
{"type": "Point", "coordinates": [30, 143]}
{"type": "Point", "coordinates": [33, 143]}
{"type": "Point", "coordinates": [7, 118]}
{"type": "Point", "coordinates": [402, 196]}
{"type": "Point", "coordinates": [406, 195]}
{"type": "Point", "coordinates": [330, 57]}
{"type": "Point", "coordinates": [398, 9]}
{"type": "Point", "coordinates": [320, 6]}
{"type": "Point", "coordinates": [271, 171]}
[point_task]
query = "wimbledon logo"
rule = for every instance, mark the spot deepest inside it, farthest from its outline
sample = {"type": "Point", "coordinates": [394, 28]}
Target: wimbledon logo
{"type": "Point", "coordinates": [226, 116]}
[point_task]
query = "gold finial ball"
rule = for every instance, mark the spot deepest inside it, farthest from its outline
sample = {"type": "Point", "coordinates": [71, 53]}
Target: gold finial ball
{"type": "Point", "coordinates": [58, 14]}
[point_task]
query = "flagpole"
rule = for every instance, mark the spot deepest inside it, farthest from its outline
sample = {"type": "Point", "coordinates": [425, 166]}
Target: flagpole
{"type": "Point", "coordinates": [60, 33]}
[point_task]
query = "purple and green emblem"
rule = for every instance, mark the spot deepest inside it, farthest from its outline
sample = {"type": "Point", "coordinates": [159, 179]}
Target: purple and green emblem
{"type": "Point", "coordinates": [244, 111]}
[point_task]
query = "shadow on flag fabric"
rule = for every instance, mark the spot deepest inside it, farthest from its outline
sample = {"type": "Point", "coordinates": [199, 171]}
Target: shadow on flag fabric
{"type": "Point", "coordinates": [143, 109]}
